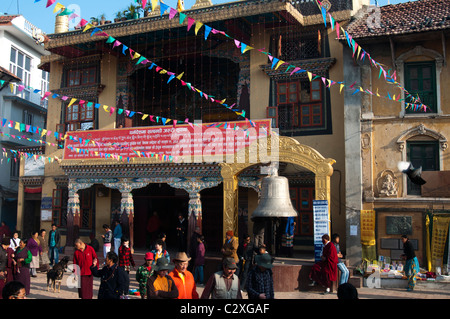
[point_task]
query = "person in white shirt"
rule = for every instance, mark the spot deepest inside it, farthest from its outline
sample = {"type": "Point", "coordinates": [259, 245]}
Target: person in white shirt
{"type": "Point", "coordinates": [15, 240]}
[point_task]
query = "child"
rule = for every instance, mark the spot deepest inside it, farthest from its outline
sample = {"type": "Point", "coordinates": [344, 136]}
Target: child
{"type": "Point", "coordinates": [107, 238]}
{"type": "Point", "coordinates": [159, 251]}
{"type": "Point", "coordinates": [126, 260]}
{"type": "Point", "coordinates": [199, 260]}
{"type": "Point", "coordinates": [143, 273]}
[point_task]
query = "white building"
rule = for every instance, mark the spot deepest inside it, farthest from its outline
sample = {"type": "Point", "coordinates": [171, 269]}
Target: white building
{"type": "Point", "coordinates": [21, 84]}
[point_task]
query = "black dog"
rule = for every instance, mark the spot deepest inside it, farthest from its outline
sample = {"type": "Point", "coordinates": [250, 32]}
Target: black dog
{"type": "Point", "coordinates": [55, 275]}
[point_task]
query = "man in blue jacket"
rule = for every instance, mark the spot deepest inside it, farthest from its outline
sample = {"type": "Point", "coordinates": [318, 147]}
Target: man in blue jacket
{"type": "Point", "coordinates": [117, 235]}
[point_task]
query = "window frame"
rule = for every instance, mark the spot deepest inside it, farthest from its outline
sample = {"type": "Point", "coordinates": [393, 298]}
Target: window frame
{"type": "Point", "coordinates": [412, 189]}
{"type": "Point", "coordinates": [421, 64]}
{"type": "Point", "coordinates": [14, 68]}
{"type": "Point", "coordinates": [81, 77]}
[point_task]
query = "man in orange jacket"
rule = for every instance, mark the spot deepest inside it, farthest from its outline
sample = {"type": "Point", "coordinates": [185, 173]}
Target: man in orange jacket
{"type": "Point", "coordinates": [183, 279]}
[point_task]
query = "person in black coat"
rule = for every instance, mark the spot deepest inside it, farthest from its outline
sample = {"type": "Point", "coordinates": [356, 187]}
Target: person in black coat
{"type": "Point", "coordinates": [113, 278]}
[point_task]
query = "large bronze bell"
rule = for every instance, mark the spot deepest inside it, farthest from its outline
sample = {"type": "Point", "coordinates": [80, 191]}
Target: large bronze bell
{"type": "Point", "coordinates": [274, 199]}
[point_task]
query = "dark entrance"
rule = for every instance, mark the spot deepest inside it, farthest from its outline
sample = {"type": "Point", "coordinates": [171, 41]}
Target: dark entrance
{"type": "Point", "coordinates": [167, 202]}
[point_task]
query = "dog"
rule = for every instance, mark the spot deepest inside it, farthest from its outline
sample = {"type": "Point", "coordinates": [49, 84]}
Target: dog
{"type": "Point", "coordinates": [55, 275]}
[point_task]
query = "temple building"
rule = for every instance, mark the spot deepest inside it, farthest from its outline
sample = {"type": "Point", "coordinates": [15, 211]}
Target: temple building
{"type": "Point", "coordinates": [134, 82]}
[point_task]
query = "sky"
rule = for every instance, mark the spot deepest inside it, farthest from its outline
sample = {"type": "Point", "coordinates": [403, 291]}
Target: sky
{"type": "Point", "coordinates": [44, 18]}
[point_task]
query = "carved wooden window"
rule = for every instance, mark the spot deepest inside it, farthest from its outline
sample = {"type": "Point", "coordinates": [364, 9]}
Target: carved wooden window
{"type": "Point", "coordinates": [59, 207]}
{"type": "Point", "coordinates": [79, 77]}
{"type": "Point", "coordinates": [302, 200]}
{"type": "Point", "coordinates": [299, 105]}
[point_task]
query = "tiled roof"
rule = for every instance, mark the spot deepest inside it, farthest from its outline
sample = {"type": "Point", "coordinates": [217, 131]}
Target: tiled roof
{"type": "Point", "coordinates": [8, 76]}
{"type": "Point", "coordinates": [403, 18]}
{"type": "Point", "coordinates": [6, 19]}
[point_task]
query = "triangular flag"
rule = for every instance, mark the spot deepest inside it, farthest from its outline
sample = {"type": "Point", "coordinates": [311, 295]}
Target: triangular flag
{"type": "Point", "coordinates": [207, 31]}
{"type": "Point", "coordinates": [172, 13]}
{"type": "Point", "coordinates": [182, 17]}
{"type": "Point", "coordinates": [163, 7]}
{"type": "Point", "coordinates": [50, 2]}
{"type": "Point", "coordinates": [180, 5]}
{"type": "Point", "coordinates": [58, 6]}
{"type": "Point", "coordinates": [180, 76]}
{"type": "Point", "coordinates": [198, 25]}
{"type": "Point", "coordinates": [190, 23]}
{"type": "Point", "coordinates": [110, 40]}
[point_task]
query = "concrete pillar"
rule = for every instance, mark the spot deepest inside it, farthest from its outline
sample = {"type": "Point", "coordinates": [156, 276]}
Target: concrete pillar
{"type": "Point", "coordinates": [353, 161]}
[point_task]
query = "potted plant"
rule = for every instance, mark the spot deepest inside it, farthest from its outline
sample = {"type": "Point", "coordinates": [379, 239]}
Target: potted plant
{"type": "Point", "coordinates": [132, 12]}
{"type": "Point", "coordinates": [102, 19]}
{"type": "Point", "coordinates": [94, 21]}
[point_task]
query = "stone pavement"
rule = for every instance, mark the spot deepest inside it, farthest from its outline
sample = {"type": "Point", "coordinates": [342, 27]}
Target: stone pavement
{"type": "Point", "coordinates": [39, 291]}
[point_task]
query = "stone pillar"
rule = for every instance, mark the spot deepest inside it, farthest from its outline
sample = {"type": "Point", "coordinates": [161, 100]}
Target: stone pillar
{"type": "Point", "coordinates": [230, 203]}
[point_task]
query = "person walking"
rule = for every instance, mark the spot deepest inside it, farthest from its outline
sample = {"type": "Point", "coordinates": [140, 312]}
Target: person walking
{"type": "Point", "coordinates": [325, 271]}
{"type": "Point", "coordinates": [199, 261]}
{"type": "Point", "coordinates": [117, 236]}
{"type": "Point", "coordinates": [287, 241]}
{"type": "Point", "coordinates": [126, 260]}
{"type": "Point", "coordinates": [230, 247]}
{"type": "Point", "coordinates": [412, 263]}
{"type": "Point", "coordinates": [143, 273]}
{"type": "Point", "coordinates": [246, 253]}
{"type": "Point", "coordinates": [84, 257]}
{"type": "Point", "coordinates": [44, 261]}
{"type": "Point", "coordinates": [182, 227]}
{"type": "Point", "coordinates": [153, 225]}
{"type": "Point", "coordinates": [54, 239]}
{"type": "Point", "coordinates": [345, 273]}
{"type": "Point", "coordinates": [23, 259]}
{"type": "Point", "coordinates": [107, 239]}
{"type": "Point", "coordinates": [113, 281]}
{"type": "Point", "coordinates": [260, 279]}
{"type": "Point", "coordinates": [36, 251]}
{"type": "Point", "coordinates": [223, 284]}
{"type": "Point", "coordinates": [160, 285]}
{"type": "Point", "coordinates": [183, 278]}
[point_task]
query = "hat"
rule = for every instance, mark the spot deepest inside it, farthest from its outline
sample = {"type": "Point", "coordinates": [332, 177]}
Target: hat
{"type": "Point", "coordinates": [264, 260]}
{"type": "Point", "coordinates": [229, 233]}
{"type": "Point", "coordinates": [163, 264]}
{"type": "Point", "coordinates": [181, 256]}
{"type": "Point", "coordinates": [230, 263]}
{"type": "Point", "coordinates": [6, 241]}
{"type": "Point", "coordinates": [149, 256]}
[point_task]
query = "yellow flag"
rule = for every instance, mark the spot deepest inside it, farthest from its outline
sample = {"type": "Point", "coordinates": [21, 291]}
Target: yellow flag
{"type": "Point", "coordinates": [71, 102]}
{"type": "Point", "coordinates": [309, 76]}
{"type": "Point", "coordinates": [154, 4]}
{"type": "Point", "coordinates": [58, 7]}
{"type": "Point", "coordinates": [136, 55]}
{"type": "Point", "coordinates": [278, 64]}
{"type": "Point", "coordinates": [145, 116]}
{"type": "Point", "coordinates": [179, 76]}
{"type": "Point", "coordinates": [87, 27]}
{"type": "Point", "coordinates": [198, 25]}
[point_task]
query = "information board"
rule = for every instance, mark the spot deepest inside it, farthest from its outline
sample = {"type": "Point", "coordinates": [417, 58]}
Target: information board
{"type": "Point", "coordinates": [321, 226]}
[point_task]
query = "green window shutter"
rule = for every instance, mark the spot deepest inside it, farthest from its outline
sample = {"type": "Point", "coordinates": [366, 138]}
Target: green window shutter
{"type": "Point", "coordinates": [425, 154]}
{"type": "Point", "coordinates": [420, 80]}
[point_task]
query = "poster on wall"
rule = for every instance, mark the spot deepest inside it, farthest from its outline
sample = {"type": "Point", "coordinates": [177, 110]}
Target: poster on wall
{"type": "Point", "coordinates": [34, 166]}
{"type": "Point", "coordinates": [321, 226]}
{"type": "Point", "coordinates": [46, 215]}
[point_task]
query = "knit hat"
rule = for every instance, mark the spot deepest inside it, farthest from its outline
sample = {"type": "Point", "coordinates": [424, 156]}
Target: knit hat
{"type": "Point", "coordinates": [149, 256]}
{"type": "Point", "coordinates": [229, 233]}
{"type": "Point", "coordinates": [163, 264]}
{"type": "Point", "coordinates": [264, 260]}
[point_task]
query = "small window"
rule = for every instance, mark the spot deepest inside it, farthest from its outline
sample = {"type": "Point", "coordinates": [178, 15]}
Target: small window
{"type": "Point", "coordinates": [420, 82]}
{"type": "Point", "coordinates": [82, 77]}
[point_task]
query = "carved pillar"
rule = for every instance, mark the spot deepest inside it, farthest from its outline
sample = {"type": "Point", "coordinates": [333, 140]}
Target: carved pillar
{"type": "Point", "coordinates": [323, 187]}
{"type": "Point", "coordinates": [125, 187]}
{"type": "Point", "coordinates": [230, 200]}
{"type": "Point", "coordinates": [194, 186]}
{"type": "Point", "coordinates": [73, 212]}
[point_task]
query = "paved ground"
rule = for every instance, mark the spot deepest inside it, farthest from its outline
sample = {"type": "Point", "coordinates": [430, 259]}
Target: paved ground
{"type": "Point", "coordinates": [39, 291]}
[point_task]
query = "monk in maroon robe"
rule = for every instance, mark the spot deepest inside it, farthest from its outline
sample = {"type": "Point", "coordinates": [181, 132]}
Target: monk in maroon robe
{"type": "Point", "coordinates": [325, 271]}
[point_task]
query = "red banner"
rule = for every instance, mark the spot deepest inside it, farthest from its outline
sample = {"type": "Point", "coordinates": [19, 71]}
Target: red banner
{"type": "Point", "coordinates": [175, 141]}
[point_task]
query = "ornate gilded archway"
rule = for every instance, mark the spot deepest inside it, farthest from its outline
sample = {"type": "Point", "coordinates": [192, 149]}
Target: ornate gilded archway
{"type": "Point", "coordinates": [287, 150]}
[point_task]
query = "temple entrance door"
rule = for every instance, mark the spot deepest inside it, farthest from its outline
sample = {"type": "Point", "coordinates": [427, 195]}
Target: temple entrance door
{"type": "Point", "coordinates": [167, 202]}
